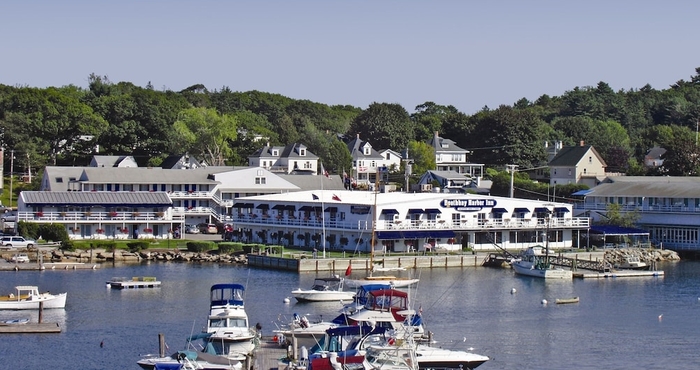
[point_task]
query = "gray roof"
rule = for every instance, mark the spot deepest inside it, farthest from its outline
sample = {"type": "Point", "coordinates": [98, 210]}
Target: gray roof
{"type": "Point", "coordinates": [143, 175]}
{"type": "Point", "coordinates": [656, 152]}
{"type": "Point", "coordinates": [109, 160]}
{"type": "Point", "coordinates": [96, 198]}
{"type": "Point", "coordinates": [448, 175]}
{"type": "Point", "coordinates": [58, 177]}
{"type": "Point", "coordinates": [648, 186]}
{"type": "Point", "coordinates": [311, 182]}
{"type": "Point", "coordinates": [355, 147]}
{"type": "Point", "coordinates": [570, 156]}
{"type": "Point", "coordinates": [440, 144]}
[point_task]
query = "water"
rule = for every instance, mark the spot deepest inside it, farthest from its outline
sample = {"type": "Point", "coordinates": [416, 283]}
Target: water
{"type": "Point", "coordinates": [616, 325]}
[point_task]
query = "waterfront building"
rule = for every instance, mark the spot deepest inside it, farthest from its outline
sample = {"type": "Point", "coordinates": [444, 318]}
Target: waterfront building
{"type": "Point", "coordinates": [345, 220]}
{"type": "Point", "coordinates": [668, 207]}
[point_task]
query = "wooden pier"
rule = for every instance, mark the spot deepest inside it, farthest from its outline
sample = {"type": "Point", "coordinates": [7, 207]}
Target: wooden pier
{"type": "Point", "coordinates": [268, 355]}
{"type": "Point", "coordinates": [617, 274]}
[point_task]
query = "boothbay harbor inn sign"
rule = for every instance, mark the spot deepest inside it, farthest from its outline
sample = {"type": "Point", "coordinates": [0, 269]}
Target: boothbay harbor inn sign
{"type": "Point", "coordinates": [344, 220]}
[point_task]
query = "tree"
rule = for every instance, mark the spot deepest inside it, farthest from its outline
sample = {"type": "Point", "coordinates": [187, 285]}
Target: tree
{"type": "Point", "coordinates": [388, 126]}
{"type": "Point", "coordinates": [615, 216]}
{"type": "Point", "coordinates": [682, 158]}
{"type": "Point", "coordinates": [423, 157]}
{"type": "Point", "coordinates": [206, 133]}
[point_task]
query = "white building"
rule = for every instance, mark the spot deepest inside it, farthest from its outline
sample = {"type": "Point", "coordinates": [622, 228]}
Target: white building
{"type": "Point", "coordinates": [293, 158]}
{"type": "Point", "coordinates": [403, 221]}
{"type": "Point", "coordinates": [450, 157]}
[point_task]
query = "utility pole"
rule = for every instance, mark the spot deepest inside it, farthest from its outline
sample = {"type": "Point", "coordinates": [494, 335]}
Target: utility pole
{"type": "Point", "coordinates": [12, 169]}
{"type": "Point", "coordinates": [511, 168]}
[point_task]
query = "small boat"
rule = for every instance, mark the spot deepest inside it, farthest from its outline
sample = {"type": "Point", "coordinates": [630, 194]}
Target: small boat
{"type": "Point", "coordinates": [323, 290]}
{"type": "Point", "coordinates": [15, 322]}
{"type": "Point", "coordinates": [535, 262]}
{"type": "Point", "coordinates": [390, 308]}
{"type": "Point", "coordinates": [134, 282]}
{"type": "Point", "coordinates": [566, 300]}
{"type": "Point", "coordinates": [632, 263]}
{"type": "Point", "coordinates": [29, 298]}
{"type": "Point", "coordinates": [227, 331]}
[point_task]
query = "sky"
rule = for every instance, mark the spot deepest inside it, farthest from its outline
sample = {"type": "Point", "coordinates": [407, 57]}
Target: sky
{"type": "Point", "coordinates": [467, 53]}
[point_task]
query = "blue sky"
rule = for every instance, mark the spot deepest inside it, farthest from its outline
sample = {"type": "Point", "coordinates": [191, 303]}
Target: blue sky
{"type": "Point", "coordinates": [463, 53]}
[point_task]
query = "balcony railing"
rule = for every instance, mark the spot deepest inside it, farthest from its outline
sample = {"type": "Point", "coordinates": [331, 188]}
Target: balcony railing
{"type": "Point", "coordinates": [116, 217]}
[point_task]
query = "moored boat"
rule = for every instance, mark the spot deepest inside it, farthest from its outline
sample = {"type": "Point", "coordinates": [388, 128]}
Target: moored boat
{"type": "Point", "coordinates": [135, 282]}
{"type": "Point", "coordinates": [228, 331]}
{"type": "Point", "coordinates": [189, 360]}
{"type": "Point", "coordinates": [324, 289]}
{"type": "Point", "coordinates": [632, 263]}
{"type": "Point", "coordinates": [535, 262]}
{"type": "Point", "coordinates": [27, 297]}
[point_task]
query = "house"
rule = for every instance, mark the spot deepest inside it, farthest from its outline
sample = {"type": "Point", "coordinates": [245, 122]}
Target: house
{"type": "Point", "coordinates": [122, 161]}
{"type": "Point", "coordinates": [447, 181]}
{"type": "Point", "coordinates": [181, 162]}
{"type": "Point", "coordinates": [392, 159]}
{"type": "Point", "coordinates": [450, 157]}
{"type": "Point", "coordinates": [365, 161]}
{"type": "Point", "coordinates": [654, 157]}
{"type": "Point", "coordinates": [293, 158]}
{"type": "Point", "coordinates": [577, 165]}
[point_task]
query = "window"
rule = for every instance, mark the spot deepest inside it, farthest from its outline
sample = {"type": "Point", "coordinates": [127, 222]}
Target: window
{"type": "Point", "coordinates": [59, 179]}
{"type": "Point", "coordinates": [388, 156]}
{"type": "Point", "coordinates": [590, 159]}
{"type": "Point", "coordinates": [584, 171]}
{"type": "Point", "coordinates": [260, 181]}
{"type": "Point", "coordinates": [302, 152]}
{"type": "Point", "coordinates": [275, 153]}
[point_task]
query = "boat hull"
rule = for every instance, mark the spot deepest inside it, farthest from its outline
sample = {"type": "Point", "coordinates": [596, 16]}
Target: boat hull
{"type": "Point", "coordinates": [50, 301]}
{"type": "Point", "coordinates": [396, 282]}
{"type": "Point", "coordinates": [322, 296]}
{"type": "Point", "coordinates": [550, 273]}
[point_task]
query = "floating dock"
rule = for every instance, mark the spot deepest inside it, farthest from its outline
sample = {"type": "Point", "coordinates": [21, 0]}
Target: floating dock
{"type": "Point", "coordinates": [29, 327]}
{"type": "Point", "coordinates": [617, 274]}
{"type": "Point", "coordinates": [133, 283]}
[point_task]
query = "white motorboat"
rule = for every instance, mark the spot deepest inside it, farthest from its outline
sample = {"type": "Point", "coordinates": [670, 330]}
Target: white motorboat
{"type": "Point", "coordinates": [27, 297]}
{"type": "Point", "coordinates": [227, 326]}
{"type": "Point", "coordinates": [353, 342]}
{"type": "Point", "coordinates": [535, 262]}
{"type": "Point", "coordinates": [189, 360]}
{"type": "Point", "coordinates": [395, 281]}
{"type": "Point", "coordinates": [323, 290]}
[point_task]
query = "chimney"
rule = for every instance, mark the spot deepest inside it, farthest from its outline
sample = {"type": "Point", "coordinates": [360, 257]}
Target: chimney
{"type": "Point", "coordinates": [358, 136]}
{"type": "Point", "coordinates": [583, 143]}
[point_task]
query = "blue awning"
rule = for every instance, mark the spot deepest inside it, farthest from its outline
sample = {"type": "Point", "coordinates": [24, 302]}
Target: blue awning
{"type": "Point", "coordinates": [541, 210]}
{"type": "Point", "coordinates": [384, 235]}
{"type": "Point", "coordinates": [561, 209]}
{"type": "Point", "coordinates": [499, 210]}
{"type": "Point", "coordinates": [521, 210]}
{"type": "Point", "coordinates": [387, 211]}
{"type": "Point", "coordinates": [414, 234]}
{"type": "Point", "coordinates": [431, 211]}
{"type": "Point", "coordinates": [441, 234]}
{"type": "Point", "coordinates": [582, 192]}
{"type": "Point", "coordinates": [263, 206]}
{"type": "Point", "coordinates": [414, 211]}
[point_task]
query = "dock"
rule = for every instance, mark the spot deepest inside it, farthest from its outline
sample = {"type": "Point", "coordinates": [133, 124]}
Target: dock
{"type": "Point", "coordinates": [133, 283]}
{"type": "Point", "coordinates": [268, 355]}
{"type": "Point", "coordinates": [617, 274]}
{"type": "Point", "coordinates": [29, 328]}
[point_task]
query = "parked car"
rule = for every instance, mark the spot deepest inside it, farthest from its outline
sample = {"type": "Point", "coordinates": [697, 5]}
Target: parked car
{"type": "Point", "coordinates": [20, 258]}
{"type": "Point", "coordinates": [16, 242]}
{"type": "Point", "coordinates": [9, 216]}
{"type": "Point", "coordinates": [191, 229]}
{"type": "Point", "coordinates": [208, 229]}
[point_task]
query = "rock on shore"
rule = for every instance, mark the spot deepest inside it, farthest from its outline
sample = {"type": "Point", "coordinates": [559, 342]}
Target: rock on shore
{"type": "Point", "coordinates": [101, 255]}
{"type": "Point", "coordinates": [648, 255]}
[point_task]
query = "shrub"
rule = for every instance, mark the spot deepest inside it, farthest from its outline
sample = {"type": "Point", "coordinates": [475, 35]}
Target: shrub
{"type": "Point", "coordinates": [108, 245]}
{"type": "Point", "coordinates": [228, 247]}
{"type": "Point", "coordinates": [28, 229]}
{"type": "Point", "coordinates": [137, 245]}
{"type": "Point", "coordinates": [67, 245]}
{"type": "Point", "coordinates": [199, 247]}
{"type": "Point", "coordinates": [53, 232]}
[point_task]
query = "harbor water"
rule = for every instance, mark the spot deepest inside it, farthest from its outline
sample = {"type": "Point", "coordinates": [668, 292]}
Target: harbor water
{"type": "Point", "coordinates": [619, 323]}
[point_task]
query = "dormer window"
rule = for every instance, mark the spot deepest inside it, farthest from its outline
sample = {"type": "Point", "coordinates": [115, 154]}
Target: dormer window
{"type": "Point", "coordinates": [302, 152]}
{"type": "Point", "coordinates": [59, 179]}
{"type": "Point", "coordinates": [368, 151]}
{"type": "Point", "coordinates": [275, 153]}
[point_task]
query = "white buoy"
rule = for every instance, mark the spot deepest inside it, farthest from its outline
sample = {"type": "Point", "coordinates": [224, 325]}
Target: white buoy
{"type": "Point", "coordinates": [286, 299]}
{"type": "Point", "coordinates": [661, 317]}
{"type": "Point", "coordinates": [544, 301]}
{"type": "Point", "coordinates": [512, 291]}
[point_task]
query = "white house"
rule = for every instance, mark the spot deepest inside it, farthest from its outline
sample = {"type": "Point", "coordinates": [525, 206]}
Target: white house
{"type": "Point", "coordinates": [293, 158]}
{"type": "Point", "coordinates": [450, 157]}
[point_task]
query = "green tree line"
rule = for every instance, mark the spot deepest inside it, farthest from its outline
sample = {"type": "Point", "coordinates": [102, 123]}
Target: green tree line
{"type": "Point", "coordinates": [67, 125]}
